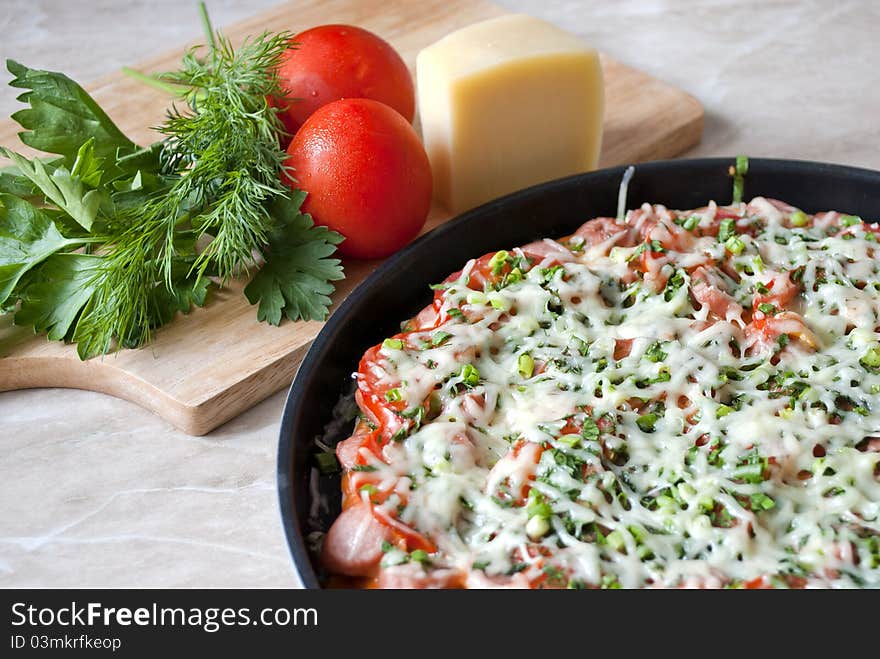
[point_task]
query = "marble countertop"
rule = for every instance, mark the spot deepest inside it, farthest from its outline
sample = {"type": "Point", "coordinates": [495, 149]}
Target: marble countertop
{"type": "Point", "coordinates": [95, 491]}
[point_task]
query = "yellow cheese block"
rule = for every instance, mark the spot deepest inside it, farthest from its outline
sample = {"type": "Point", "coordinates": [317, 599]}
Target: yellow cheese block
{"type": "Point", "coordinates": [505, 104]}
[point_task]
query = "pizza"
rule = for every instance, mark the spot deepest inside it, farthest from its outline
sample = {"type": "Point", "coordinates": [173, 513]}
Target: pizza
{"type": "Point", "coordinates": [668, 399]}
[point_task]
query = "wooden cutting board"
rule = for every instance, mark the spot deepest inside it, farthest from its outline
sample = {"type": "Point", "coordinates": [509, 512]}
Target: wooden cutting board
{"type": "Point", "coordinates": [216, 362]}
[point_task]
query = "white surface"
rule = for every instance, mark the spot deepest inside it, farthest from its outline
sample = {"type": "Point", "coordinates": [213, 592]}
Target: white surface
{"type": "Point", "coordinates": [97, 492]}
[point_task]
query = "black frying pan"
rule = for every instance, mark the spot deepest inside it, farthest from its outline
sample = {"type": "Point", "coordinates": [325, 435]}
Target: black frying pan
{"type": "Point", "coordinates": [399, 288]}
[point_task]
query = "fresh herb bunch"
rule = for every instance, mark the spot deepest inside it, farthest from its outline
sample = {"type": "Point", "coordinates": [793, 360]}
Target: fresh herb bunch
{"type": "Point", "coordinates": [108, 240]}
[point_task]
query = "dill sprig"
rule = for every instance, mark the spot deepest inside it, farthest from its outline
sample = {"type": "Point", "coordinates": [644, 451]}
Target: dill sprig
{"type": "Point", "coordinates": [225, 146]}
{"type": "Point", "coordinates": [221, 160]}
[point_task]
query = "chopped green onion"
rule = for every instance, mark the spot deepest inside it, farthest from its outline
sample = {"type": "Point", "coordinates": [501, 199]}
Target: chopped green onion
{"type": "Point", "coordinates": [799, 219]}
{"type": "Point", "coordinates": [590, 431]}
{"type": "Point", "coordinates": [419, 556]}
{"type": "Point", "coordinates": [663, 375]}
{"type": "Point", "coordinates": [722, 411]}
{"type": "Point", "coordinates": [498, 303]}
{"type": "Point", "coordinates": [767, 308]}
{"type": "Point", "coordinates": [537, 527]}
{"type": "Point", "coordinates": [850, 220]}
{"type": "Point", "coordinates": [729, 373]}
{"type": "Point", "coordinates": [393, 395]}
{"type": "Point", "coordinates": [655, 352]}
{"type": "Point", "coordinates": [610, 582]}
{"type": "Point", "coordinates": [750, 469]}
{"type": "Point", "coordinates": [761, 501]}
{"type": "Point", "coordinates": [734, 245]}
{"type": "Point", "coordinates": [549, 273]}
{"type": "Point", "coordinates": [569, 440]}
{"type": "Point", "coordinates": [393, 344]}
{"type": "Point", "coordinates": [615, 540]}
{"type": "Point", "coordinates": [537, 505]}
{"type": "Point", "coordinates": [726, 229]}
{"type": "Point", "coordinates": [454, 312]}
{"type": "Point", "coordinates": [525, 365]}
{"type": "Point", "coordinates": [637, 252]}
{"type": "Point", "coordinates": [676, 281]}
{"type": "Point", "coordinates": [637, 533]}
{"type": "Point", "coordinates": [439, 338]}
{"type": "Point", "coordinates": [749, 473]}
{"type": "Point", "coordinates": [496, 263]}
{"type": "Point", "coordinates": [691, 223]}
{"type": "Point", "coordinates": [646, 422]}
{"type": "Point", "coordinates": [871, 359]}
{"type": "Point", "coordinates": [470, 376]}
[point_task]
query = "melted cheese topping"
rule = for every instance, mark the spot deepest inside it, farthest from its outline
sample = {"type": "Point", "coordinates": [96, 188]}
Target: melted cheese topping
{"type": "Point", "coordinates": [683, 399]}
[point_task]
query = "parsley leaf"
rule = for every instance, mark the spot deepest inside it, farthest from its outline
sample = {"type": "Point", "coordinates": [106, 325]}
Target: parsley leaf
{"type": "Point", "coordinates": [27, 238]}
{"type": "Point", "coordinates": [12, 182]}
{"type": "Point", "coordinates": [55, 295]}
{"type": "Point", "coordinates": [63, 188]}
{"type": "Point", "coordinates": [62, 116]}
{"type": "Point", "coordinates": [295, 281]}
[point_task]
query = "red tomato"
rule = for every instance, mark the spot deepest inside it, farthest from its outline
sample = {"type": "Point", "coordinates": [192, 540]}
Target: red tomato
{"type": "Point", "coordinates": [367, 175]}
{"type": "Point", "coordinates": [372, 385]}
{"type": "Point", "coordinates": [331, 62]}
